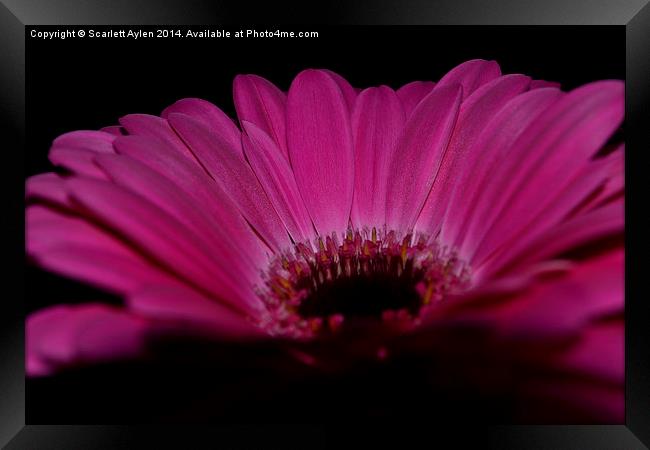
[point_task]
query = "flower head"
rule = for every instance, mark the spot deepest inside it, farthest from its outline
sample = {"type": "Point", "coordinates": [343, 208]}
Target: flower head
{"type": "Point", "coordinates": [475, 221]}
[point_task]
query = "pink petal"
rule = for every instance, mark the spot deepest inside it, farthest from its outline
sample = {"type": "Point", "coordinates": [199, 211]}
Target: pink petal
{"type": "Point", "coordinates": [48, 228]}
{"type": "Point", "coordinates": [565, 306]}
{"type": "Point", "coordinates": [579, 189]}
{"type": "Point", "coordinates": [320, 148]}
{"type": "Point", "coordinates": [94, 141]}
{"type": "Point", "coordinates": [180, 304]}
{"type": "Point", "coordinates": [160, 236]}
{"type": "Point", "coordinates": [36, 367]}
{"type": "Point", "coordinates": [470, 75]}
{"type": "Point", "coordinates": [418, 154]}
{"type": "Point", "coordinates": [46, 187]}
{"type": "Point", "coordinates": [599, 354]}
{"type": "Point", "coordinates": [613, 186]}
{"type": "Point", "coordinates": [491, 147]}
{"type": "Point", "coordinates": [116, 130]}
{"type": "Point", "coordinates": [155, 127]}
{"type": "Point", "coordinates": [107, 271]}
{"type": "Point", "coordinates": [594, 225]}
{"type": "Point", "coordinates": [259, 101]}
{"type": "Point", "coordinates": [539, 84]}
{"type": "Point", "coordinates": [74, 247]}
{"type": "Point", "coordinates": [412, 93]}
{"type": "Point", "coordinates": [377, 122]}
{"type": "Point", "coordinates": [80, 162]}
{"type": "Point", "coordinates": [227, 166]}
{"type": "Point", "coordinates": [210, 116]}
{"type": "Point", "coordinates": [545, 159]}
{"type": "Point", "coordinates": [489, 293]}
{"type": "Point", "coordinates": [475, 113]}
{"type": "Point", "coordinates": [46, 339]}
{"type": "Point", "coordinates": [275, 176]}
{"type": "Point", "coordinates": [193, 180]}
{"type": "Point", "coordinates": [348, 91]}
{"type": "Point", "coordinates": [163, 193]}
{"type": "Point", "coordinates": [65, 335]}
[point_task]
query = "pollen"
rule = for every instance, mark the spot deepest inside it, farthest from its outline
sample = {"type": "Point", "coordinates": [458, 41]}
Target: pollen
{"type": "Point", "coordinates": [317, 287]}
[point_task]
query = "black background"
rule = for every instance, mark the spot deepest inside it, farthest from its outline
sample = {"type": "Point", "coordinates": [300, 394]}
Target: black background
{"type": "Point", "coordinates": [86, 84]}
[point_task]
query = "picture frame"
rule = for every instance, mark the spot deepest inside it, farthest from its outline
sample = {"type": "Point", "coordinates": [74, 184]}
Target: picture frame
{"type": "Point", "coordinates": [634, 16]}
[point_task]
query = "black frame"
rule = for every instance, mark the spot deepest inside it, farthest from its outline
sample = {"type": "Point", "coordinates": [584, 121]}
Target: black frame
{"type": "Point", "coordinates": [633, 14]}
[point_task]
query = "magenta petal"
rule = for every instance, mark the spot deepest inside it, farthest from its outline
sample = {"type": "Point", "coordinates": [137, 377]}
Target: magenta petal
{"type": "Point", "coordinates": [209, 115]}
{"type": "Point", "coordinates": [470, 75]}
{"type": "Point", "coordinates": [565, 307]}
{"type": "Point", "coordinates": [179, 304]}
{"type": "Point", "coordinates": [492, 146]}
{"type": "Point", "coordinates": [94, 141]}
{"type": "Point", "coordinates": [36, 367]}
{"type": "Point", "coordinates": [320, 148]}
{"type": "Point", "coordinates": [260, 102]}
{"type": "Point", "coordinates": [155, 127]}
{"type": "Point", "coordinates": [614, 184]}
{"type": "Point", "coordinates": [377, 122]}
{"type": "Point", "coordinates": [580, 230]}
{"type": "Point", "coordinates": [65, 335]}
{"type": "Point", "coordinates": [227, 166]}
{"type": "Point", "coordinates": [580, 189]}
{"type": "Point", "coordinates": [80, 162]}
{"type": "Point", "coordinates": [103, 334]}
{"type": "Point", "coordinates": [548, 155]}
{"type": "Point", "coordinates": [418, 153]}
{"type": "Point", "coordinates": [106, 270]}
{"type": "Point", "coordinates": [160, 236]}
{"type": "Point", "coordinates": [277, 179]}
{"type": "Point", "coordinates": [348, 91]}
{"type": "Point", "coordinates": [538, 84]}
{"type": "Point", "coordinates": [412, 93]}
{"type": "Point", "coordinates": [50, 228]}
{"type": "Point", "coordinates": [193, 180]}
{"type": "Point", "coordinates": [599, 354]}
{"type": "Point", "coordinates": [116, 130]}
{"type": "Point", "coordinates": [475, 113]}
{"type": "Point", "coordinates": [163, 193]}
{"type": "Point", "coordinates": [48, 336]}
{"type": "Point", "coordinates": [47, 187]}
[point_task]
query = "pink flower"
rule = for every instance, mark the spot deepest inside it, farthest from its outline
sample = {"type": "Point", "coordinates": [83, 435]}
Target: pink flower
{"type": "Point", "coordinates": [475, 222]}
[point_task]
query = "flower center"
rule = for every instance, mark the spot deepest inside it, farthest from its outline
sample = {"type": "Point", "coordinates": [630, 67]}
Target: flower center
{"type": "Point", "coordinates": [313, 289]}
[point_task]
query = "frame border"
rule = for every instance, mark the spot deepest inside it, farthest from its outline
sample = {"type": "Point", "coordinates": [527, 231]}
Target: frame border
{"type": "Point", "coordinates": [15, 15]}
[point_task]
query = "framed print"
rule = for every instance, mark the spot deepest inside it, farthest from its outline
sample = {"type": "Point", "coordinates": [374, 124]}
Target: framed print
{"type": "Point", "coordinates": [377, 227]}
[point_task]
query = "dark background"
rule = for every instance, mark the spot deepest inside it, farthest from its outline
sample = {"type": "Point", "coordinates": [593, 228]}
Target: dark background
{"type": "Point", "coordinates": [86, 84]}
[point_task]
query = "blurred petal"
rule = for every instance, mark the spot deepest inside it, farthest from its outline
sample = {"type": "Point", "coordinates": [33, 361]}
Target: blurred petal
{"type": "Point", "coordinates": [90, 333]}
{"type": "Point", "coordinates": [180, 304]}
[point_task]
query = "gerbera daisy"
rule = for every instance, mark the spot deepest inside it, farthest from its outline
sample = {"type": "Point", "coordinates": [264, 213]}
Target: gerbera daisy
{"type": "Point", "coordinates": [477, 221]}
